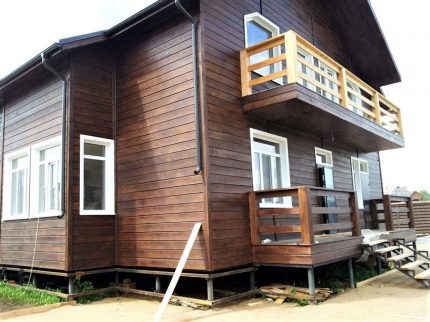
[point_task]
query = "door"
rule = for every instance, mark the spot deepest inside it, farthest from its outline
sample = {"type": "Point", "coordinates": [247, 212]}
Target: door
{"type": "Point", "coordinates": [360, 178]}
{"type": "Point", "coordinates": [324, 162]}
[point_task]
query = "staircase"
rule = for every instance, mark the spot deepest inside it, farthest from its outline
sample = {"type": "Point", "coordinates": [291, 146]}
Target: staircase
{"type": "Point", "coordinates": [414, 264]}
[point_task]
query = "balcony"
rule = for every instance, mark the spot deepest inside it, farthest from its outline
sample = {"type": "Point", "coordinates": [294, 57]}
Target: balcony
{"type": "Point", "coordinates": [297, 235]}
{"type": "Point", "coordinates": [289, 80]}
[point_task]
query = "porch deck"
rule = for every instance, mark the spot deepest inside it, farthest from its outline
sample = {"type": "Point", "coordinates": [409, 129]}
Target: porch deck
{"type": "Point", "coordinates": [293, 236]}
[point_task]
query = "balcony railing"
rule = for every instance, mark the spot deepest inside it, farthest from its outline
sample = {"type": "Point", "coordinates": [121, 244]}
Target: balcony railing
{"type": "Point", "coordinates": [288, 58]}
{"type": "Point", "coordinates": [303, 219]}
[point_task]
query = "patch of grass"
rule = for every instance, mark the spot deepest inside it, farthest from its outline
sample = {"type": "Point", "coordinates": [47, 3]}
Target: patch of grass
{"type": "Point", "coordinates": [301, 302]}
{"type": "Point", "coordinates": [364, 272]}
{"type": "Point", "coordinates": [18, 296]}
{"type": "Point", "coordinates": [85, 286]}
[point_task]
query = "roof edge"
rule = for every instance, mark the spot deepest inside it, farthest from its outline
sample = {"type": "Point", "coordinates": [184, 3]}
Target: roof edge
{"type": "Point", "coordinates": [86, 39]}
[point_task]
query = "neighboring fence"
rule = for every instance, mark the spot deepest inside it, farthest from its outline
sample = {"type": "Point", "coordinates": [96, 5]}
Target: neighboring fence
{"type": "Point", "coordinates": [422, 216]}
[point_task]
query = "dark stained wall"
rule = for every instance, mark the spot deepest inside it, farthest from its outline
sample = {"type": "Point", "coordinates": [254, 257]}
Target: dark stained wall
{"type": "Point", "coordinates": [92, 238]}
{"type": "Point", "coordinates": [159, 198]}
{"type": "Point", "coordinates": [230, 173]}
{"type": "Point", "coordinates": [33, 114]}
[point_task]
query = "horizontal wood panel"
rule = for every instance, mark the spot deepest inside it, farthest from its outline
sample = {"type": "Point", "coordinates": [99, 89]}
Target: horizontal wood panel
{"type": "Point", "coordinates": [46, 239]}
{"type": "Point", "coordinates": [158, 196]}
{"type": "Point", "coordinates": [93, 237]}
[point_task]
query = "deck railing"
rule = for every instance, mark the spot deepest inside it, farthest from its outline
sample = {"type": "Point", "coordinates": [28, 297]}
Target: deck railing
{"type": "Point", "coordinates": [394, 212]}
{"type": "Point", "coordinates": [301, 216]}
{"type": "Point", "coordinates": [289, 58]}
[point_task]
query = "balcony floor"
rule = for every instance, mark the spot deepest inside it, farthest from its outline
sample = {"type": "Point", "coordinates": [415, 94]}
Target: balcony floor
{"type": "Point", "coordinates": [326, 249]}
{"type": "Point", "coordinates": [304, 110]}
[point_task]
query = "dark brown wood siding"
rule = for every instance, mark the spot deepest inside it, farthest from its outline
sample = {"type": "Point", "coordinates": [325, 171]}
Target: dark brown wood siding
{"type": "Point", "coordinates": [230, 173]}
{"type": "Point", "coordinates": [33, 114]}
{"type": "Point", "coordinates": [93, 237]}
{"type": "Point", "coordinates": [159, 197]}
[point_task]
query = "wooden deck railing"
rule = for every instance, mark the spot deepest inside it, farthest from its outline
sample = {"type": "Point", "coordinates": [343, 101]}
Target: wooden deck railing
{"type": "Point", "coordinates": [392, 211]}
{"type": "Point", "coordinates": [303, 218]}
{"type": "Point", "coordinates": [295, 60]}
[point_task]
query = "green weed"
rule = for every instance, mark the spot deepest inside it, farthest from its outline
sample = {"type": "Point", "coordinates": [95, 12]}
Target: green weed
{"type": "Point", "coordinates": [18, 296]}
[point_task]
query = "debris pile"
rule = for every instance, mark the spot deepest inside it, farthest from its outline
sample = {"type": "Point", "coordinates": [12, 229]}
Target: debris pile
{"type": "Point", "coordinates": [280, 292]}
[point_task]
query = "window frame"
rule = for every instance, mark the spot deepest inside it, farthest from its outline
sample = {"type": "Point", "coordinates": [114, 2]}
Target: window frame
{"type": "Point", "coordinates": [109, 178]}
{"type": "Point", "coordinates": [284, 160]}
{"type": "Point", "coordinates": [35, 163]}
{"type": "Point", "coordinates": [328, 154]}
{"type": "Point", "coordinates": [7, 177]}
{"type": "Point", "coordinates": [271, 27]}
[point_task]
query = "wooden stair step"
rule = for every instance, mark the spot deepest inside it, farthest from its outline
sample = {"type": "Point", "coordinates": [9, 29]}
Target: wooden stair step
{"type": "Point", "coordinates": [376, 242]}
{"type": "Point", "coordinates": [425, 275]}
{"type": "Point", "coordinates": [399, 257]}
{"type": "Point", "coordinates": [411, 266]}
{"type": "Point", "coordinates": [386, 249]}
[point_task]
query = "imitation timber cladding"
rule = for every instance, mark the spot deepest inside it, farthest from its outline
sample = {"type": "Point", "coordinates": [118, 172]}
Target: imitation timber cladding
{"type": "Point", "coordinates": [228, 128]}
{"type": "Point", "coordinates": [32, 115]}
{"type": "Point", "coordinates": [158, 196]}
{"type": "Point", "coordinates": [92, 237]}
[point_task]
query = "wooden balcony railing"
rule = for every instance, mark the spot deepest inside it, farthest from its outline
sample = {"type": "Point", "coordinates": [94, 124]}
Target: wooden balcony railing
{"type": "Point", "coordinates": [303, 219]}
{"type": "Point", "coordinates": [295, 60]}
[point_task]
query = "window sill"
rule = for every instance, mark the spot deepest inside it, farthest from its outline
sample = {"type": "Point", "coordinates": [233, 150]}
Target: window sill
{"type": "Point", "coordinates": [47, 215]}
{"type": "Point", "coordinates": [95, 213]}
{"type": "Point", "coordinates": [13, 218]}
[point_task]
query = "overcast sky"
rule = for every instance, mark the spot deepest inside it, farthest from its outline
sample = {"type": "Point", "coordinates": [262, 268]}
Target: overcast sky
{"type": "Point", "coordinates": [29, 26]}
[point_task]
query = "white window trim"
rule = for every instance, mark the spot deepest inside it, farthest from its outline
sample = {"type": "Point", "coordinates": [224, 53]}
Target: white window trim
{"type": "Point", "coordinates": [285, 165]}
{"type": "Point", "coordinates": [327, 153]}
{"type": "Point", "coordinates": [34, 199]}
{"type": "Point", "coordinates": [7, 177]}
{"type": "Point", "coordinates": [109, 175]}
{"type": "Point", "coordinates": [273, 28]}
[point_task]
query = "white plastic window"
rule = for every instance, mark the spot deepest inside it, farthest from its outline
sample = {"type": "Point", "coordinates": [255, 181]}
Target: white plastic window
{"type": "Point", "coordinates": [46, 181]}
{"type": "Point", "coordinates": [16, 185]}
{"type": "Point", "coordinates": [97, 176]}
{"type": "Point", "coordinates": [270, 168]}
{"type": "Point", "coordinates": [323, 157]}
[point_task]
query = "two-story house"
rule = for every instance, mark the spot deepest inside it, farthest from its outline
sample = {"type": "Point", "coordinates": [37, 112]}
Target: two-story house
{"type": "Point", "coordinates": [261, 119]}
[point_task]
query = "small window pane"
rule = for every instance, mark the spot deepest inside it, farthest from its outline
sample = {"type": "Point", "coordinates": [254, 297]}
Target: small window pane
{"type": "Point", "coordinates": [94, 184]}
{"type": "Point", "coordinates": [267, 172]}
{"type": "Point", "coordinates": [321, 158]}
{"type": "Point", "coordinates": [14, 193]}
{"type": "Point", "coordinates": [257, 33]}
{"type": "Point", "coordinates": [266, 146]}
{"type": "Point", "coordinates": [14, 164]}
{"type": "Point", "coordinates": [21, 191]}
{"type": "Point", "coordinates": [42, 188]}
{"type": "Point", "coordinates": [257, 178]}
{"type": "Point", "coordinates": [52, 153]}
{"type": "Point", "coordinates": [363, 167]}
{"type": "Point", "coordinates": [21, 162]}
{"type": "Point", "coordinates": [51, 185]}
{"type": "Point", "coordinates": [42, 155]}
{"type": "Point", "coordinates": [94, 149]}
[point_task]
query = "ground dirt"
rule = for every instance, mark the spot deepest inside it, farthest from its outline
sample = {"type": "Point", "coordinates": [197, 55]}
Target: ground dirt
{"type": "Point", "coordinates": [392, 298]}
{"type": "Point", "coordinates": [6, 307]}
{"type": "Point", "coordinates": [389, 298]}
